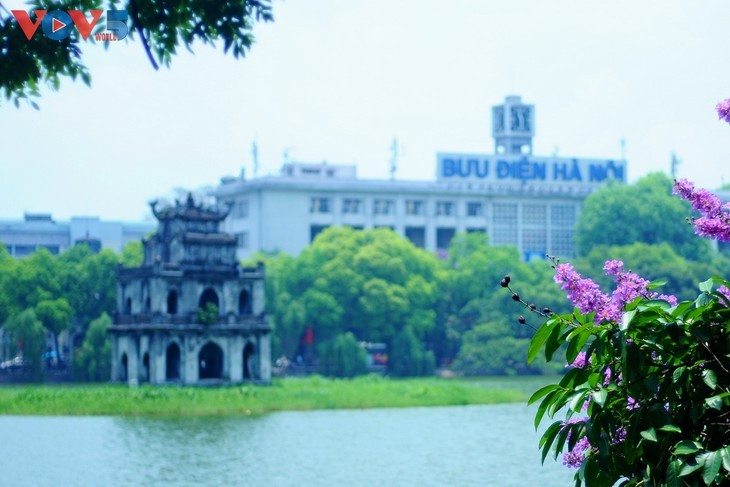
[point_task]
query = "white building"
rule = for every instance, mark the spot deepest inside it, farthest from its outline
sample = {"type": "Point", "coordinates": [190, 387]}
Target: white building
{"type": "Point", "coordinates": [40, 230]}
{"type": "Point", "coordinates": [517, 199]}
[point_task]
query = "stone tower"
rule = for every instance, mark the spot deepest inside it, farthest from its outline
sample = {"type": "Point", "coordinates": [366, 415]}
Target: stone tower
{"type": "Point", "coordinates": [190, 314]}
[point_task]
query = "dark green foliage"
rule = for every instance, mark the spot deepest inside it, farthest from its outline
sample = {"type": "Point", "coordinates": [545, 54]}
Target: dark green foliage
{"type": "Point", "coordinates": [29, 339]}
{"type": "Point", "coordinates": [132, 254]}
{"type": "Point", "coordinates": [371, 284]}
{"type": "Point", "coordinates": [659, 390]}
{"type": "Point", "coordinates": [162, 27]}
{"type": "Point", "coordinates": [610, 214]}
{"type": "Point", "coordinates": [208, 314]}
{"type": "Point", "coordinates": [407, 358]}
{"type": "Point", "coordinates": [342, 356]}
{"type": "Point", "coordinates": [492, 349]}
{"type": "Point", "coordinates": [92, 362]}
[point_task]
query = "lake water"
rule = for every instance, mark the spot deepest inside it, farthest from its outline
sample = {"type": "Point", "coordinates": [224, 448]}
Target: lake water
{"type": "Point", "coordinates": [466, 445]}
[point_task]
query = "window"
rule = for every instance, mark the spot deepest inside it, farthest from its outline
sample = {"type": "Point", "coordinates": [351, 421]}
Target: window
{"type": "Point", "coordinates": [383, 207]}
{"type": "Point", "coordinates": [474, 208]}
{"type": "Point", "coordinates": [242, 240]}
{"type": "Point", "coordinates": [319, 205]}
{"type": "Point", "coordinates": [315, 230]}
{"type": "Point", "coordinates": [505, 214]}
{"type": "Point", "coordinates": [240, 209]}
{"type": "Point", "coordinates": [534, 241]}
{"type": "Point", "coordinates": [414, 207]}
{"type": "Point", "coordinates": [443, 237]}
{"type": "Point", "coordinates": [562, 215]}
{"type": "Point", "coordinates": [561, 243]}
{"type": "Point", "coordinates": [172, 302]}
{"type": "Point", "coordinates": [351, 206]}
{"type": "Point", "coordinates": [534, 215]}
{"type": "Point", "coordinates": [445, 208]}
{"type": "Point", "coordinates": [505, 235]}
{"type": "Point", "coordinates": [417, 236]}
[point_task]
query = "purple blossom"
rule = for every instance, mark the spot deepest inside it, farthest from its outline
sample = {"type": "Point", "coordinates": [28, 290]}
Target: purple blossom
{"type": "Point", "coordinates": [723, 110]}
{"type": "Point", "coordinates": [580, 361]}
{"type": "Point", "coordinates": [575, 457]}
{"type": "Point", "coordinates": [715, 219]}
{"type": "Point", "coordinates": [632, 404]}
{"type": "Point", "coordinates": [584, 294]}
{"type": "Point", "coordinates": [724, 291]}
{"type": "Point", "coordinates": [619, 436]}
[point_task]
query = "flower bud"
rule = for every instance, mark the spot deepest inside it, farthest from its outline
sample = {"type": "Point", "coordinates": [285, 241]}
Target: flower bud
{"type": "Point", "coordinates": [515, 296]}
{"type": "Point", "coordinates": [522, 320]}
{"type": "Point", "coordinates": [503, 283]}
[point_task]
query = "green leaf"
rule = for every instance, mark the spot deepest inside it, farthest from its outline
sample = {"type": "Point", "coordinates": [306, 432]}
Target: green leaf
{"type": "Point", "coordinates": [711, 468]}
{"type": "Point", "coordinates": [599, 397]}
{"type": "Point", "coordinates": [671, 428]}
{"type": "Point", "coordinates": [673, 474]}
{"type": "Point", "coordinates": [686, 447]}
{"type": "Point", "coordinates": [710, 378]}
{"type": "Point", "coordinates": [547, 439]}
{"type": "Point", "coordinates": [576, 404]}
{"type": "Point", "coordinates": [626, 320]}
{"type": "Point", "coordinates": [649, 434]}
{"type": "Point", "coordinates": [576, 341]}
{"type": "Point", "coordinates": [656, 284]}
{"type": "Point", "coordinates": [715, 402]}
{"type": "Point", "coordinates": [689, 467]}
{"type": "Point", "coordinates": [554, 341]}
{"type": "Point", "coordinates": [678, 375]}
{"type": "Point", "coordinates": [707, 285]}
{"type": "Point", "coordinates": [725, 454]}
{"type": "Point", "coordinates": [542, 392]}
{"type": "Point", "coordinates": [538, 340]}
{"type": "Point", "coordinates": [543, 407]}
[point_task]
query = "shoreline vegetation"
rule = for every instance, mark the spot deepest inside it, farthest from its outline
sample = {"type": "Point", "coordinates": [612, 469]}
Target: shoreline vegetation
{"type": "Point", "coordinates": [287, 394]}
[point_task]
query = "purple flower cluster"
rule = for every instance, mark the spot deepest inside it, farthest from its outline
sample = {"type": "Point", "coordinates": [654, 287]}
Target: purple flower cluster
{"type": "Point", "coordinates": [584, 294]}
{"type": "Point", "coordinates": [723, 110]}
{"type": "Point", "coordinates": [715, 219]}
{"type": "Point", "coordinates": [580, 361]}
{"type": "Point", "coordinates": [632, 404]}
{"type": "Point", "coordinates": [575, 457]}
{"type": "Point", "coordinates": [587, 296]}
{"type": "Point", "coordinates": [724, 291]}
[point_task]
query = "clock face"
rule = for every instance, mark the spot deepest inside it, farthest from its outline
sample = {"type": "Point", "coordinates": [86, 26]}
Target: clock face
{"type": "Point", "coordinates": [520, 119]}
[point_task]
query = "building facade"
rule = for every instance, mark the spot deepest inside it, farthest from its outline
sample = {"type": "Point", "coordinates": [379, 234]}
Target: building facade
{"type": "Point", "coordinates": [517, 199]}
{"type": "Point", "coordinates": [40, 230]}
{"type": "Point", "coordinates": [190, 314]}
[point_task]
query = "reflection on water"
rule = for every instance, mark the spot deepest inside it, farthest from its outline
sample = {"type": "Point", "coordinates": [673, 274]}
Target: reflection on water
{"type": "Point", "coordinates": [469, 445]}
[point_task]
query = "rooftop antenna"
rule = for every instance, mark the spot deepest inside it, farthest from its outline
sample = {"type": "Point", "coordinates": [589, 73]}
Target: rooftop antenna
{"type": "Point", "coordinates": [674, 164]}
{"type": "Point", "coordinates": [394, 159]}
{"type": "Point", "coordinates": [255, 155]}
{"type": "Point", "coordinates": [623, 149]}
{"type": "Point", "coordinates": [286, 154]}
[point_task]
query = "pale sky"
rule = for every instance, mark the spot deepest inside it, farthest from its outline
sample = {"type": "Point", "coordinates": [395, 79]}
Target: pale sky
{"type": "Point", "coordinates": [336, 81]}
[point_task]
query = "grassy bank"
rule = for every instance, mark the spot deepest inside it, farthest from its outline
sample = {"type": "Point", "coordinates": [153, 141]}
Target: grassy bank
{"type": "Point", "coordinates": [290, 394]}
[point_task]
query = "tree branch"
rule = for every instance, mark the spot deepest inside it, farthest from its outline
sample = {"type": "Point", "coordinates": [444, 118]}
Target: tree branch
{"type": "Point", "coordinates": [147, 47]}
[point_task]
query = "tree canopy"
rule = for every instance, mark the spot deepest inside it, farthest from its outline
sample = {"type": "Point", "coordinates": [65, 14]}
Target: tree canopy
{"type": "Point", "coordinates": [610, 214]}
{"type": "Point", "coordinates": [27, 63]}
